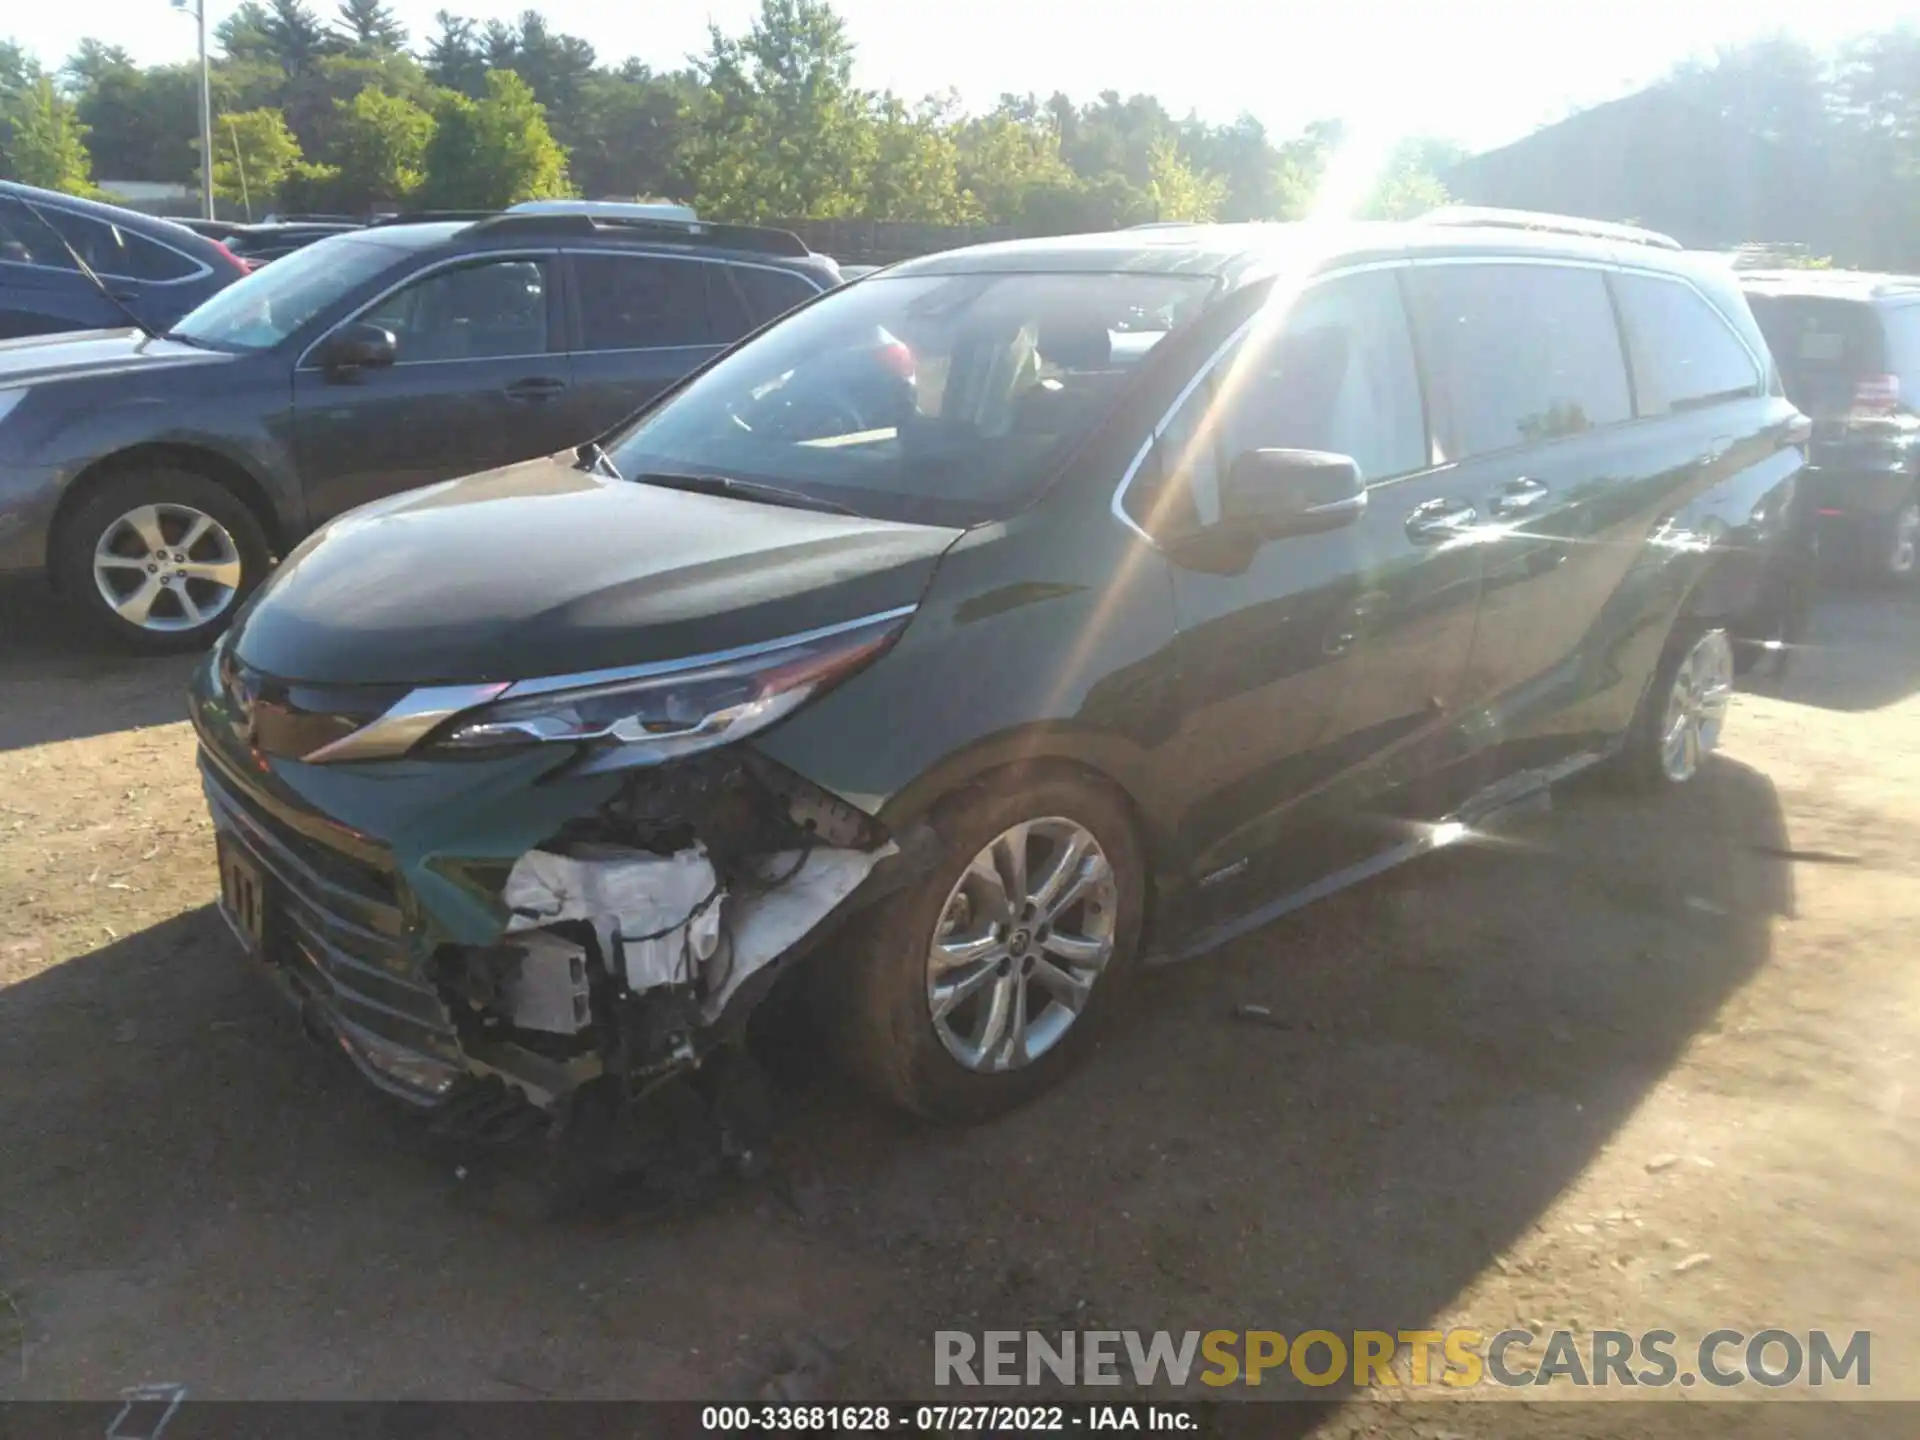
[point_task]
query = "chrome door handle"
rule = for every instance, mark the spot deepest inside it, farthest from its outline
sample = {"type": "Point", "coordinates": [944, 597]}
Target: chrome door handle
{"type": "Point", "coordinates": [1518, 496]}
{"type": "Point", "coordinates": [1439, 520]}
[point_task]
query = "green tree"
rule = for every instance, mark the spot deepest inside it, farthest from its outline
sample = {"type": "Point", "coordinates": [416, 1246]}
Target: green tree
{"type": "Point", "coordinates": [253, 154]}
{"type": "Point", "coordinates": [493, 152]}
{"type": "Point", "coordinates": [916, 165]}
{"type": "Point", "coordinates": [370, 27]}
{"type": "Point", "coordinates": [453, 59]}
{"type": "Point", "coordinates": [630, 131]}
{"type": "Point", "coordinates": [1004, 157]}
{"type": "Point", "coordinates": [781, 131]}
{"type": "Point", "coordinates": [44, 143]}
{"type": "Point", "coordinates": [380, 151]}
{"type": "Point", "coordinates": [92, 61]}
{"type": "Point", "coordinates": [1176, 190]}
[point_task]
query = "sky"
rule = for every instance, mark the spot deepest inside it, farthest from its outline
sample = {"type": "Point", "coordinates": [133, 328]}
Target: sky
{"type": "Point", "coordinates": [1481, 72]}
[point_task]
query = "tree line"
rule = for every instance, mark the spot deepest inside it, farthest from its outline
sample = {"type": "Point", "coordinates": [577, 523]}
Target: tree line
{"type": "Point", "coordinates": [348, 113]}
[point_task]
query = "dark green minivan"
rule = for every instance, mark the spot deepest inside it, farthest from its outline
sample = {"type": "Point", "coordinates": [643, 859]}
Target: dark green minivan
{"type": "Point", "coordinates": [985, 629]}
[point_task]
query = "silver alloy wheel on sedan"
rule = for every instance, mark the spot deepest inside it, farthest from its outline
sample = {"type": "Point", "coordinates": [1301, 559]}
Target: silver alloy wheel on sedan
{"type": "Point", "coordinates": [1697, 705]}
{"type": "Point", "coordinates": [1904, 551]}
{"type": "Point", "coordinates": [167, 567]}
{"type": "Point", "coordinates": [1023, 936]}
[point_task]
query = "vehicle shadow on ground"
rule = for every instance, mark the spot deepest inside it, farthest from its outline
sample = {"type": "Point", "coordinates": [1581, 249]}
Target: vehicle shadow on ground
{"type": "Point", "coordinates": [1862, 653]}
{"type": "Point", "coordinates": [196, 1194]}
{"type": "Point", "coordinates": [60, 680]}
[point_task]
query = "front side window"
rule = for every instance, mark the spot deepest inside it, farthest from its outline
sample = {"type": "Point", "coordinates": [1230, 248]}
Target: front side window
{"type": "Point", "coordinates": [488, 310]}
{"type": "Point", "coordinates": [646, 302]}
{"type": "Point", "coordinates": [1517, 354]}
{"type": "Point", "coordinates": [260, 311]}
{"type": "Point", "coordinates": [1337, 374]}
{"type": "Point", "coordinates": [943, 398]}
{"type": "Point", "coordinates": [1684, 354]}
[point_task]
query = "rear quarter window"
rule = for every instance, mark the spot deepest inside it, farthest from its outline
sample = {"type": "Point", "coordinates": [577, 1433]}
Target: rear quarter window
{"type": "Point", "coordinates": [1684, 353]}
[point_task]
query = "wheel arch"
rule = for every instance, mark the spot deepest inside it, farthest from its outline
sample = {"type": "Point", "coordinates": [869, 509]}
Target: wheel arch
{"type": "Point", "coordinates": [1011, 761]}
{"type": "Point", "coordinates": [203, 460]}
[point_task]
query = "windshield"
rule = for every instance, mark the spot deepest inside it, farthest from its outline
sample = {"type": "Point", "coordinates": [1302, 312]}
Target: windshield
{"type": "Point", "coordinates": [260, 311]}
{"type": "Point", "coordinates": [946, 399]}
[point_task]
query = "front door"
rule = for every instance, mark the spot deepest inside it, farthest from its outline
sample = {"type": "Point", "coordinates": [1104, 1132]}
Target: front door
{"type": "Point", "coordinates": [1326, 649]}
{"type": "Point", "coordinates": [478, 382]}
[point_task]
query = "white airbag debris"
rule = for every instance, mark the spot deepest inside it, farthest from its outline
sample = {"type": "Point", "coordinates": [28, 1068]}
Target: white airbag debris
{"type": "Point", "coordinates": [765, 924]}
{"type": "Point", "coordinates": [638, 904]}
{"type": "Point", "coordinates": [664, 915]}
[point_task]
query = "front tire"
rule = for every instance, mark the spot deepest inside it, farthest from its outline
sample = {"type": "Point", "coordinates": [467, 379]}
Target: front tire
{"type": "Point", "coordinates": [160, 558]}
{"type": "Point", "coordinates": [1683, 712]}
{"type": "Point", "coordinates": [981, 986]}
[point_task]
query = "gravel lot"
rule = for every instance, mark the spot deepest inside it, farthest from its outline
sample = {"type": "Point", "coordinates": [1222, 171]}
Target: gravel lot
{"type": "Point", "coordinates": [1521, 1084]}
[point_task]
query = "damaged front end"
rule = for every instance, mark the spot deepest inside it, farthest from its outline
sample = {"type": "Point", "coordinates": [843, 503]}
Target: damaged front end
{"type": "Point", "coordinates": [640, 937]}
{"type": "Point", "coordinates": [488, 928]}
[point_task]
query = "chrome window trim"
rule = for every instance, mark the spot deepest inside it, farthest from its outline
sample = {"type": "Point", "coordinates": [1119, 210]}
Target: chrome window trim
{"type": "Point", "coordinates": [414, 715]}
{"type": "Point", "coordinates": [677, 257]}
{"type": "Point", "coordinates": [423, 273]}
{"type": "Point", "coordinates": [200, 271]}
{"type": "Point", "coordinates": [1117, 506]}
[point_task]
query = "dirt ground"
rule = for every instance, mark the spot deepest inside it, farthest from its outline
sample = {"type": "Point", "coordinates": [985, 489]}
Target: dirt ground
{"type": "Point", "coordinates": [1530, 1083]}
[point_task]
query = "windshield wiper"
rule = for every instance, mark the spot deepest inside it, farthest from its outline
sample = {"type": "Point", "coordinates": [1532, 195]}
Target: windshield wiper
{"type": "Point", "coordinates": [593, 456]}
{"type": "Point", "coordinates": [87, 270]}
{"type": "Point", "coordinates": [743, 490]}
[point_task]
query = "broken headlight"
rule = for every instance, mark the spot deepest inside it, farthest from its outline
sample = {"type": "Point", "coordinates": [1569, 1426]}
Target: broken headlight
{"type": "Point", "coordinates": [655, 713]}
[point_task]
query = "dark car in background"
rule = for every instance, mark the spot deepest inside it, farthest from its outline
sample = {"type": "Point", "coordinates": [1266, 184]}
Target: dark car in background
{"type": "Point", "coordinates": [153, 476]}
{"type": "Point", "coordinates": [1848, 347]}
{"type": "Point", "coordinates": [976, 629]}
{"type": "Point", "coordinates": [263, 243]}
{"type": "Point", "coordinates": [156, 269]}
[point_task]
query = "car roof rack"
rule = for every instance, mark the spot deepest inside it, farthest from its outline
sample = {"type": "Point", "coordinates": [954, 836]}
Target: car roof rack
{"type": "Point", "coordinates": [432, 217]}
{"type": "Point", "coordinates": [764, 239]}
{"type": "Point", "coordinates": [1483, 216]}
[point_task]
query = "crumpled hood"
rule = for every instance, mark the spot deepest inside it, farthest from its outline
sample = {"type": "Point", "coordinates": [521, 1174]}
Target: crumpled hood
{"type": "Point", "coordinates": [85, 354]}
{"type": "Point", "coordinates": [544, 569]}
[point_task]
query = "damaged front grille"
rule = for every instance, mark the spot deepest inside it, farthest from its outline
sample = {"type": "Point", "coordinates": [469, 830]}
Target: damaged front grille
{"type": "Point", "coordinates": [337, 925]}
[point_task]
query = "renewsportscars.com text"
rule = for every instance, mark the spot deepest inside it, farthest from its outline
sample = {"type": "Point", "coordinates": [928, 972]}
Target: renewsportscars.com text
{"type": "Point", "coordinates": [1456, 1359]}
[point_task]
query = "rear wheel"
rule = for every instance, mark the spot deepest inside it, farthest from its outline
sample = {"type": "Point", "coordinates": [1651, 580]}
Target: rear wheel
{"type": "Point", "coordinates": [1894, 553]}
{"type": "Point", "coordinates": [981, 986]}
{"type": "Point", "coordinates": [1683, 712]}
{"type": "Point", "coordinates": [160, 558]}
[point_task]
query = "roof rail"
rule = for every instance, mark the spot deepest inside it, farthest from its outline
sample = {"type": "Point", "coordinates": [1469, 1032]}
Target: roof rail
{"type": "Point", "coordinates": [760, 238]}
{"type": "Point", "coordinates": [428, 217]}
{"type": "Point", "coordinates": [1494, 218]}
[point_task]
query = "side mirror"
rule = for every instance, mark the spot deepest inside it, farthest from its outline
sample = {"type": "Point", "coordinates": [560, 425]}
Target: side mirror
{"type": "Point", "coordinates": [358, 347]}
{"type": "Point", "coordinates": [1274, 493]}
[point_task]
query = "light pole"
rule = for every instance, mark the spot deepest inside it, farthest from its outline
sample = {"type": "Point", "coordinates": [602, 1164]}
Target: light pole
{"type": "Point", "coordinates": [199, 9]}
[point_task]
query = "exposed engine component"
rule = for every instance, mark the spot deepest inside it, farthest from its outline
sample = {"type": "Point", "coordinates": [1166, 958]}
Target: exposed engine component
{"type": "Point", "coordinates": [632, 930]}
{"type": "Point", "coordinates": [548, 989]}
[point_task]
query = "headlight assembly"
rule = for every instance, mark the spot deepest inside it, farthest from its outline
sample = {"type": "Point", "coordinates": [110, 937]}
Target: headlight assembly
{"type": "Point", "coordinates": [651, 714]}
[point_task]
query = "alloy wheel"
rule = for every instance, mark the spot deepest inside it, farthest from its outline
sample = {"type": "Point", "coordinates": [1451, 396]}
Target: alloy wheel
{"type": "Point", "coordinates": [1025, 933]}
{"type": "Point", "coordinates": [167, 567]}
{"type": "Point", "coordinates": [1697, 706]}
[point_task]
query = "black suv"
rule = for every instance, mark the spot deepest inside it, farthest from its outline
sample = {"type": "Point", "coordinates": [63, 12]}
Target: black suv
{"type": "Point", "coordinates": [1848, 347]}
{"type": "Point", "coordinates": [154, 475]}
{"type": "Point", "coordinates": [983, 626]}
